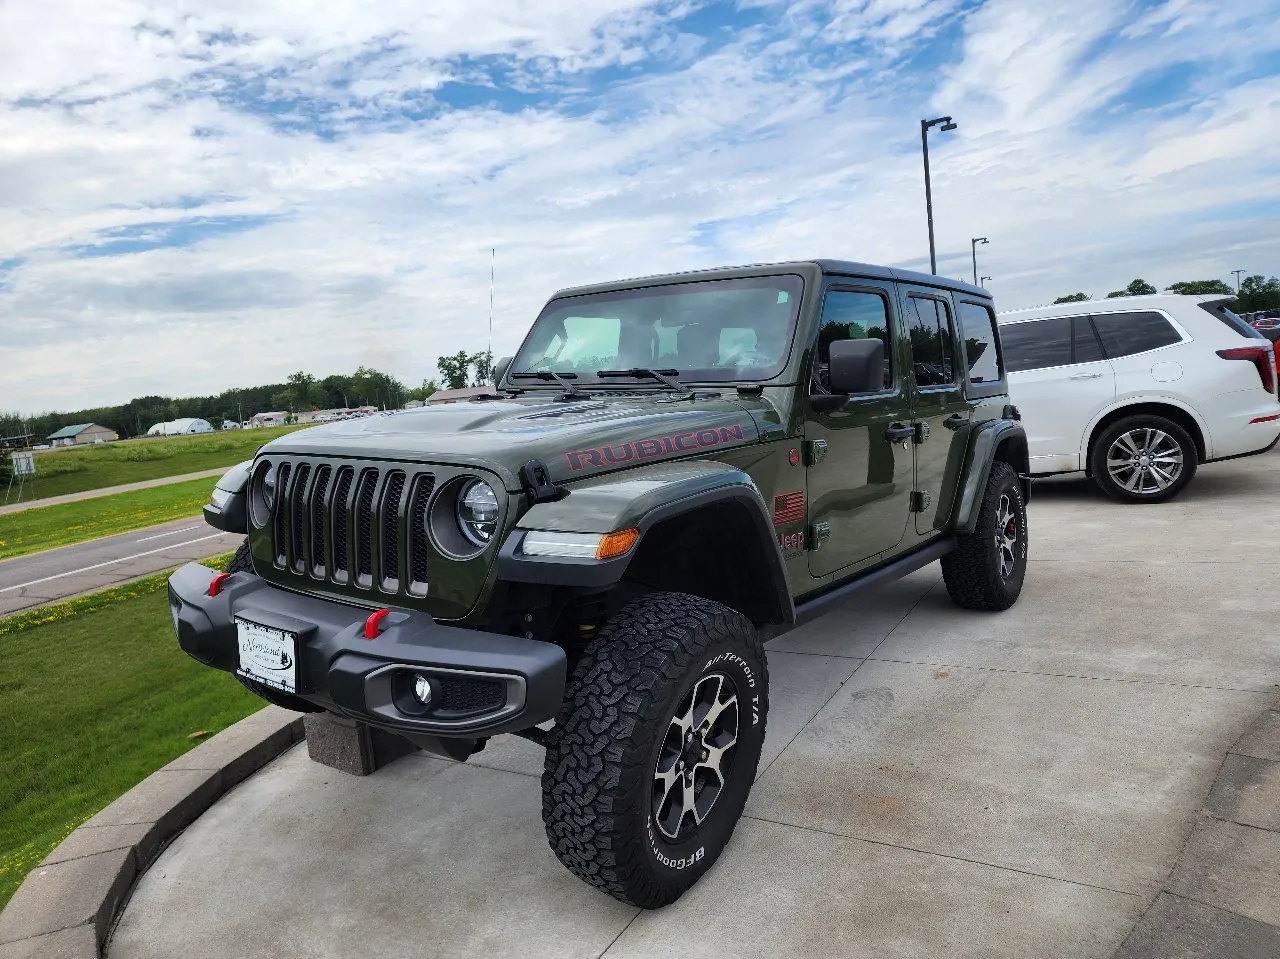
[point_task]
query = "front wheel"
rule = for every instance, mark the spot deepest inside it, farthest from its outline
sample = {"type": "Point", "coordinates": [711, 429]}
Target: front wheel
{"type": "Point", "coordinates": [987, 568]}
{"type": "Point", "coordinates": [655, 749]}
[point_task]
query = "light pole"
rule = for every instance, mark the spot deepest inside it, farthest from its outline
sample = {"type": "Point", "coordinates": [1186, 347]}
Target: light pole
{"type": "Point", "coordinates": [1236, 274]}
{"type": "Point", "coordinates": [973, 248]}
{"type": "Point", "coordinates": [982, 281]}
{"type": "Point", "coordinates": [925, 125]}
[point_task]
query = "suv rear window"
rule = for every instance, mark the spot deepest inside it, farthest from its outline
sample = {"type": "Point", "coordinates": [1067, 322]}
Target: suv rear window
{"type": "Point", "coordinates": [1124, 334]}
{"type": "Point", "coordinates": [976, 323]}
{"type": "Point", "coordinates": [1221, 313]}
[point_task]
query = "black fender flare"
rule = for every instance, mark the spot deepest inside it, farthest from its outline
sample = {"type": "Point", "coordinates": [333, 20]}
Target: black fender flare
{"type": "Point", "coordinates": [228, 506]}
{"type": "Point", "coordinates": [735, 489]}
{"type": "Point", "coordinates": [989, 441]}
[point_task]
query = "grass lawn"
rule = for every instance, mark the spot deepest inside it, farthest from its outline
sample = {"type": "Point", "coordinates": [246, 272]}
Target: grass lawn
{"type": "Point", "coordinates": [45, 527]}
{"type": "Point", "coordinates": [95, 695]}
{"type": "Point", "coordinates": [81, 468]}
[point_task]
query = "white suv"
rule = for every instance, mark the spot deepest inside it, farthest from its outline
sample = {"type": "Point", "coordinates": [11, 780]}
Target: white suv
{"type": "Point", "coordinates": [1137, 391]}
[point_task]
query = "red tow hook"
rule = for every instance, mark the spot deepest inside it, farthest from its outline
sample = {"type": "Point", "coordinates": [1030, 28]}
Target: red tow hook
{"type": "Point", "coordinates": [215, 584]}
{"type": "Point", "coordinates": [371, 624]}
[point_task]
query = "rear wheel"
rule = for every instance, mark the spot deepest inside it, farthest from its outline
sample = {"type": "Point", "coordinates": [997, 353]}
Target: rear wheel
{"type": "Point", "coordinates": [1143, 459]}
{"type": "Point", "coordinates": [242, 562]}
{"type": "Point", "coordinates": [650, 761]}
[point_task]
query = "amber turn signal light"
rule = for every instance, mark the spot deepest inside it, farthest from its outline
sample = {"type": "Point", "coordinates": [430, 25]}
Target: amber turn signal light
{"type": "Point", "coordinates": [615, 544]}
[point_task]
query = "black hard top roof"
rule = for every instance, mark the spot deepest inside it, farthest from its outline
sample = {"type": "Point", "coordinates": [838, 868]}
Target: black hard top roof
{"type": "Point", "coordinates": [830, 267]}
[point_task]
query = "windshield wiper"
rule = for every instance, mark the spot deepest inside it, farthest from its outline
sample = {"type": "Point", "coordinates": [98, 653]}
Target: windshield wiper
{"type": "Point", "coordinates": [663, 376]}
{"type": "Point", "coordinates": [571, 392]}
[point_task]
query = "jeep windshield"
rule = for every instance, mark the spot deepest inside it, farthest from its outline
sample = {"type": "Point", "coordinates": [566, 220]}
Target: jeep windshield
{"type": "Point", "coordinates": [709, 331]}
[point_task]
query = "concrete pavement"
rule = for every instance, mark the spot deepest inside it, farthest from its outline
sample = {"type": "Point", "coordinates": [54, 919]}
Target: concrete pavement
{"type": "Point", "coordinates": [108, 490]}
{"type": "Point", "coordinates": [55, 574]}
{"type": "Point", "coordinates": [934, 782]}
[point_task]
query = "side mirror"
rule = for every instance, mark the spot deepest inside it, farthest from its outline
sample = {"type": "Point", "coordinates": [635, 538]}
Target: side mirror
{"type": "Point", "coordinates": [857, 366]}
{"type": "Point", "coordinates": [500, 369]}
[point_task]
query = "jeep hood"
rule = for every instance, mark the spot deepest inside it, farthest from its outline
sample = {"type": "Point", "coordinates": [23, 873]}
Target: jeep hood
{"type": "Point", "coordinates": [575, 439]}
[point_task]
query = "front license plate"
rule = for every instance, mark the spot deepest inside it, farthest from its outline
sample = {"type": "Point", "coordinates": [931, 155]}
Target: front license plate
{"type": "Point", "coordinates": [268, 655]}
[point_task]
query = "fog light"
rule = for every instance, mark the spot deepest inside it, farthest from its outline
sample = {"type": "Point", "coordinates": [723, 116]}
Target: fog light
{"type": "Point", "coordinates": [422, 689]}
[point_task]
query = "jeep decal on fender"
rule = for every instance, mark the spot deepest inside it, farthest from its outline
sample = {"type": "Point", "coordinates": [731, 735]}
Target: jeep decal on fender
{"type": "Point", "coordinates": [685, 442]}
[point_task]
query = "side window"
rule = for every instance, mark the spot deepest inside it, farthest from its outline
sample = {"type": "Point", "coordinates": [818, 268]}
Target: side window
{"type": "Point", "coordinates": [1085, 347]}
{"type": "Point", "coordinates": [931, 342]}
{"type": "Point", "coordinates": [1037, 344]}
{"type": "Point", "coordinates": [853, 315]}
{"type": "Point", "coordinates": [1124, 334]}
{"type": "Point", "coordinates": [977, 331]}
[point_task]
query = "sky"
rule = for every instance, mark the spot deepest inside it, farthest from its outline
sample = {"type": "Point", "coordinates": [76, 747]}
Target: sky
{"type": "Point", "coordinates": [197, 196]}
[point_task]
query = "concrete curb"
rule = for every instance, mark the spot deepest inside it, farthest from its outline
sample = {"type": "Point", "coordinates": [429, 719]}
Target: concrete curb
{"type": "Point", "coordinates": [65, 907]}
{"type": "Point", "coordinates": [1222, 897]}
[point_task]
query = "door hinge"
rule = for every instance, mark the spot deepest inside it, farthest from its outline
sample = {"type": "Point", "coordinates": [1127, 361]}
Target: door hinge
{"type": "Point", "coordinates": [922, 432]}
{"type": "Point", "coordinates": [920, 500]}
{"type": "Point", "coordinates": [819, 533]}
{"type": "Point", "coordinates": [815, 451]}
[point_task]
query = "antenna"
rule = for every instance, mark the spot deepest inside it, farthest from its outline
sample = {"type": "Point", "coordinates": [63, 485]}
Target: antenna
{"type": "Point", "coordinates": [493, 257]}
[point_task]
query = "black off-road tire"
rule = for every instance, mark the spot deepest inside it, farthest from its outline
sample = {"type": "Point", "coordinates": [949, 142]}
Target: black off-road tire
{"type": "Point", "coordinates": [1113, 487]}
{"type": "Point", "coordinates": [598, 784]}
{"type": "Point", "coordinates": [973, 571]}
{"type": "Point", "coordinates": [242, 562]}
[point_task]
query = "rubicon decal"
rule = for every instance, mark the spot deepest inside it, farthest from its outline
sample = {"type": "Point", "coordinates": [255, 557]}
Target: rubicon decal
{"type": "Point", "coordinates": [676, 443]}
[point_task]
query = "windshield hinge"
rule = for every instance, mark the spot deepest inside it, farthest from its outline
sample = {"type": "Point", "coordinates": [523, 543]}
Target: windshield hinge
{"type": "Point", "coordinates": [536, 480]}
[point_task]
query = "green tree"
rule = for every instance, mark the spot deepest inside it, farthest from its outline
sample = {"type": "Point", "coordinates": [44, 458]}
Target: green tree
{"type": "Point", "coordinates": [305, 389]}
{"type": "Point", "coordinates": [1135, 288]}
{"type": "Point", "coordinates": [1187, 287]}
{"type": "Point", "coordinates": [483, 362]}
{"type": "Point", "coordinates": [454, 369]}
{"type": "Point", "coordinates": [424, 391]}
{"type": "Point", "coordinates": [1073, 298]}
{"type": "Point", "coordinates": [1258, 293]}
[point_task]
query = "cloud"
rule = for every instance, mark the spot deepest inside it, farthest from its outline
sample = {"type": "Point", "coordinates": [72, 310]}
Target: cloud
{"type": "Point", "coordinates": [319, 185]}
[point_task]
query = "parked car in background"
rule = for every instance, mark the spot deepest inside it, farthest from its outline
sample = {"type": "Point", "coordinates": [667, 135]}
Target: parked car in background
{"type": "Point", "coordinates": [1137, 392]}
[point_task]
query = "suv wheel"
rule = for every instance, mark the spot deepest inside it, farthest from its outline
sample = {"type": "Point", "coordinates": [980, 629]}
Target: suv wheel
{"type": "Point", "coordinates": [655, 749]}
{"type": "Point", "coordinates": [242, 562]}
{"type": "Point", "coordinates": [1143, 459]}
{"type": "Point", "coordinates": [987, 568]}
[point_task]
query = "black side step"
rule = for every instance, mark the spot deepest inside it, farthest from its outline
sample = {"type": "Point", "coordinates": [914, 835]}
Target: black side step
{"type": "Point", "coordinates": [811, 609]}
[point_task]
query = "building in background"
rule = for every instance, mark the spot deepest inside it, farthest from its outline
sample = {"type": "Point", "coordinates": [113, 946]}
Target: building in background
{"type": "Point", "coordinates": [268, 419]}
{"type": "Point", "coordinates": [82, 434]}
{"type": "Point", "coordinates": [180, 427]}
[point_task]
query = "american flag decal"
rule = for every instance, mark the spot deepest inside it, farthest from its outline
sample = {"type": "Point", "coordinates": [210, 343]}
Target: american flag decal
{"type": "Point", "coordinates": [788, 508]}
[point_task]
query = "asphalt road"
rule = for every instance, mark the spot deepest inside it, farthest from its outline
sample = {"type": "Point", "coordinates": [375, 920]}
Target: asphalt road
{"type": "Point", "coordinates": [30, 581]}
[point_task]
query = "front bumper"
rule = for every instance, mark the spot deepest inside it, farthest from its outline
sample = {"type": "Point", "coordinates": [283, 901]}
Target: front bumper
{"type": "Point", "coordinates": [496, 683]}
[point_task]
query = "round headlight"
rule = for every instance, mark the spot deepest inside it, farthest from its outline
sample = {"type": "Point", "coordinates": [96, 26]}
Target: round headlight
{"type": "Point", "coordinates": [478, 512]}
{"type": "Point", "coordinates": [269, 486]}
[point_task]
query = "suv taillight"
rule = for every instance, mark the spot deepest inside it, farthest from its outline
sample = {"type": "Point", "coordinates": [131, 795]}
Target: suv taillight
{"type": "Point", "coordinates": [1262, 357]}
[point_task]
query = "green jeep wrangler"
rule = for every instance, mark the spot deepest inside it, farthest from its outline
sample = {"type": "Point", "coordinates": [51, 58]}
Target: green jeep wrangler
{"type": "Point", "coordinates": [672, 470]}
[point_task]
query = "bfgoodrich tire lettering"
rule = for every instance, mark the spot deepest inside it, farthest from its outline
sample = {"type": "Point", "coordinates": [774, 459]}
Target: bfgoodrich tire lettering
{"type": "Point", "coordinates": [987, 568]}
{"type": "Point", "coordinates": [611, 744]}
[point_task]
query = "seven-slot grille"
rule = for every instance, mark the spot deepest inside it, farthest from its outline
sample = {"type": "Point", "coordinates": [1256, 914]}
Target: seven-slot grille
{"type": "Point", "coordinates": [353, 525]}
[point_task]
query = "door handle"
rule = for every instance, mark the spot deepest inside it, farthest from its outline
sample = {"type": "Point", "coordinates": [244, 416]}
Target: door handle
{"type": "Point", "coordinates": [897, 433]}
{"type": "Point", "coordinates": [955, 421]}
{"type": "Point", "coordinates": [1084, 376]}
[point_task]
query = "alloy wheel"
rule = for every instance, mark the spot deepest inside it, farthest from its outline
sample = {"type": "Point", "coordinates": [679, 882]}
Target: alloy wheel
{"type": "Point", "coordinates": [1006, 535]}
{"type": "Point", "coordinates": [696, 756]}
{"type": "Point", "coordinates": [1145, 461]}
